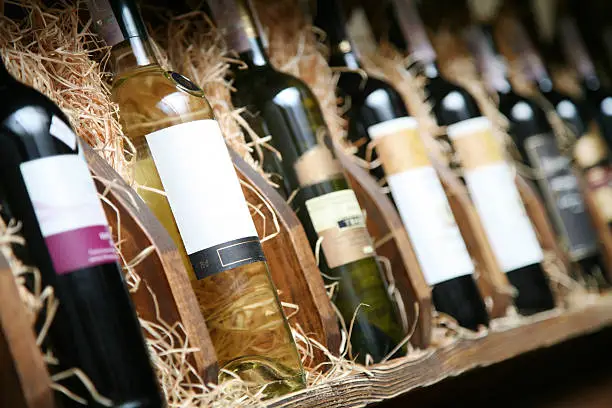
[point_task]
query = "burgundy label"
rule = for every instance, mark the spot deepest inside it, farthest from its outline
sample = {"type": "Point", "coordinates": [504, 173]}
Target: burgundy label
{"type": "Point", "coordinates": [81, 248]}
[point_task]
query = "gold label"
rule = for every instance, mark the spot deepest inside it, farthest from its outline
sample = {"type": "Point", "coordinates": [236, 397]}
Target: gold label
{"type": "Point", "coordinates": [339, 222]}
{"type": "Point", "coordinates": [590, 149]}
{"type": "Point", "coordinates": [399, 145]}
{"type": "Point", "coordinates": [316, 165]}
{"type": "Point", "coordinates": [475, 144]}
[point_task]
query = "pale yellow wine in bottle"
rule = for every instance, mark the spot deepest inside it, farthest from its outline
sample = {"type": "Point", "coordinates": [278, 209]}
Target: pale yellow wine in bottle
{"type": "Point", "coordinates": [184, 173]}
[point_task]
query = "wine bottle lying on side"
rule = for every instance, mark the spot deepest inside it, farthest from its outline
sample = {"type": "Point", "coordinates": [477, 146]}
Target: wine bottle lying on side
{"type": "Point", "coordinates": [377, 116]}
{"type": "Point", "coordinates": [48, 188]}
{"type": "Point", "coordinates": [489, 179]}
{"type": "Point", "coordinates": [187, 178]}
{"type": "Point", "coordinates": [325, 203]}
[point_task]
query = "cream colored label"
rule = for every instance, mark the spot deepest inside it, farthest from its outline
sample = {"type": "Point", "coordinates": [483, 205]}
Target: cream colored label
{"type": "Point", "coordinates": [316, 165]}
{"type": "Point", "coordinates": [338, 220]}
{"type": "Point", "coordinates": [475, 144]}
{"type": "Point", "coordinates": [421, 201]}
{"type": "Point", "coordinates": [490, 182]}
{"type": "Point", "coordinates": [590, 149]}
{"type": "Point", "coordinates": [603, 198]}
{"type": "Point", "coordinates": [399, 145]}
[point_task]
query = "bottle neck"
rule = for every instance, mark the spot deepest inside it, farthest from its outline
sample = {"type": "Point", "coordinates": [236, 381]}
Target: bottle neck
{"type": "Point", "coordinates": [331, 19]}
{"type": "Point", "coordinates": [576, 53]}
{"type": "Point", "coordinates": [130, 55]}
{"type": "Point", "coordinates": [120, 25]}
{"type": "Point", "coordinates": [241, 28]}
{"type": "Point", "coordinates": [490, 63]}
{"type": "Point", "coordinates": [413, 31]}
{"type": "Point", "coordinates": [523, 47]}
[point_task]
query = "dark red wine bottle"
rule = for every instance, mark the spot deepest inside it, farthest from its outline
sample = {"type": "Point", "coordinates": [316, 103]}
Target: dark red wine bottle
{"type": "Point", "coordinates": [488, 177]}
{"type": "Point", "coordinates": [377, 112]}
{"type": "Point", "coordinates": [48, 188]}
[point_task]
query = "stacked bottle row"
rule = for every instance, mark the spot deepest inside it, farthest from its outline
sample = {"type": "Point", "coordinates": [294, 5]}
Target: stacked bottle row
{"type": "Point", "coordinates": [185, 175]}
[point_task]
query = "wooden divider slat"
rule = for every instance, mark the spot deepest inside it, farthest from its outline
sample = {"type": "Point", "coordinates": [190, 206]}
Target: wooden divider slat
{"type": "Point", "coordinates": [491, 280]}
{"type": "Point", "coordinates": [24, 380]}
{"type": "Point", "coordinates": [384, 224]}
{"type": "Point", "coordinates": [539, 218]}
{"type": "Point", "coordinates": [162, 270]}
{"type": "Point", "coordinates": [292, 263]}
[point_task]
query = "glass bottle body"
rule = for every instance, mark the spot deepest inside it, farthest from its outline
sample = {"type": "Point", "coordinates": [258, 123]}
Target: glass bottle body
{"type": "Point", "coordinates": [293, 118]}
{"type": "Point", "coordinates": [254, 342]}
{"type": "Point", "coordinates": [452, 106]}
{"type": "Point", "coordinates": [555, 179]}
{"type": "Point", "coordinates": [46, 185]}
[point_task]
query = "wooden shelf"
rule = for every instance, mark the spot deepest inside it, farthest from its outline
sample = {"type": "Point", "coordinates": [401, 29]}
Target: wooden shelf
{"type": "Point", "coordinates": [386, 381]}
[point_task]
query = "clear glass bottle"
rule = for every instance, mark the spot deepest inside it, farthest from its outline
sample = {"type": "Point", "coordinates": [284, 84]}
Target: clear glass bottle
{"type": "Point", "coordinates": [184, 173]}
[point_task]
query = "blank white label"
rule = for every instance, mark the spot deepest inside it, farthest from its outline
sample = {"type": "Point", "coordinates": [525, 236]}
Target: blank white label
{"type": "Point", "coordinates": [201, 184]}
{"type": "Point", "coordinates": [503, 216]}
{"type": "Point", "coordinates": [430, 223]}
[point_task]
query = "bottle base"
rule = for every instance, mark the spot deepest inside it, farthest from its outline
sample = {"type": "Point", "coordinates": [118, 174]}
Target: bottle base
{"type": "Point", "coordinates": [534, 293]}
{"type": "Point", "coordinates": [460, 298]}
{"type": "Point", "coordinates": [593, 268]}
{"type": "Point", "coordinates": [272, 378]}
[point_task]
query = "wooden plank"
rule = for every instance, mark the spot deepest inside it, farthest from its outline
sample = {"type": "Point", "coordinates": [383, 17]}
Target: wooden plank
{"type": "Point", "coordinates": [491, 279]}
{"type": "Point", "coordinates": [539, 218]}
{"type": "Point", "coordinates": [384, 224]}
{"type": "Point", "coordinates": [24, 380]}
{"type": "Point", "coordinates": [292, 263]}
{"type": "Point", "coordinates": [399, 376]}
{"type": "Point", "coordinates": [162, 270]}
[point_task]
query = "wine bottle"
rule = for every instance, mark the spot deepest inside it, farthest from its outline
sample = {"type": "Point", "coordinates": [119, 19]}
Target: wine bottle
{"type": "Point", "coordinates": [597, 96]}
{"type": "Point", "coordinates": [489, 179]}
{"type": "Point", "coordinates": [325, 203]}
{"type": "Point", "coordinates": [534, 138]}
{"type": "Point", "coordinates": [46, 186]}
{"type": "Point", "coordinates": [590, 150]}
{"type": "Point", "coordinates": [185, 175]}
{"type": "Point", "coordinates": [377, 113]}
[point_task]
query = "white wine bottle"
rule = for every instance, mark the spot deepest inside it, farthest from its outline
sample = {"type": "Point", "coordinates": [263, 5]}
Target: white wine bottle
{"type": "Point", "coordinates": [184, 173]}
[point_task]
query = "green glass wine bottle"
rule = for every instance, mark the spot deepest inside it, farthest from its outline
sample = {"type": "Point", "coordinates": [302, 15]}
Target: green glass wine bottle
{"type": "Point", "coordinates": [325, 203]}
{"type": "Point", "coordinates": [185, 175]}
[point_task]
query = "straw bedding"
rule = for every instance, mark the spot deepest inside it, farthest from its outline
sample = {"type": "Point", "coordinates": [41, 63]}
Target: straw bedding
{"type": "Point", "coordinates": [51, 49]}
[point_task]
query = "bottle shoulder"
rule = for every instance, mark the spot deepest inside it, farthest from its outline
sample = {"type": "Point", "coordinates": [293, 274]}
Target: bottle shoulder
{"type": "Point", "coordinates": [451, 103]}
{"type": "Point", "coordinates": [22, 96]}
{"type": "Point", "coordinates": [34, 123]}
{"type": "Point", "coordinates": [151, 99]}
{"type": "Point", "coordinates": [361, 87]}
{"type": "Point", "coordinates": [271, 88]}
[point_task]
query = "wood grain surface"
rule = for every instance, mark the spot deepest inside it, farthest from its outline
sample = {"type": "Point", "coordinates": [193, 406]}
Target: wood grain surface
{"type": "Point", "coordinates": [162, 270]}
{"type": "Point", "coordinates": [491, 279]}
{"type": "Point", "coordinates": [385, 225]}
{"type": "Point", "coordinates": [24, 380]}
{"type": "Point", "coordinates": [292, 263]}
{"type": "Point", "coordinates": [386, 381]}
